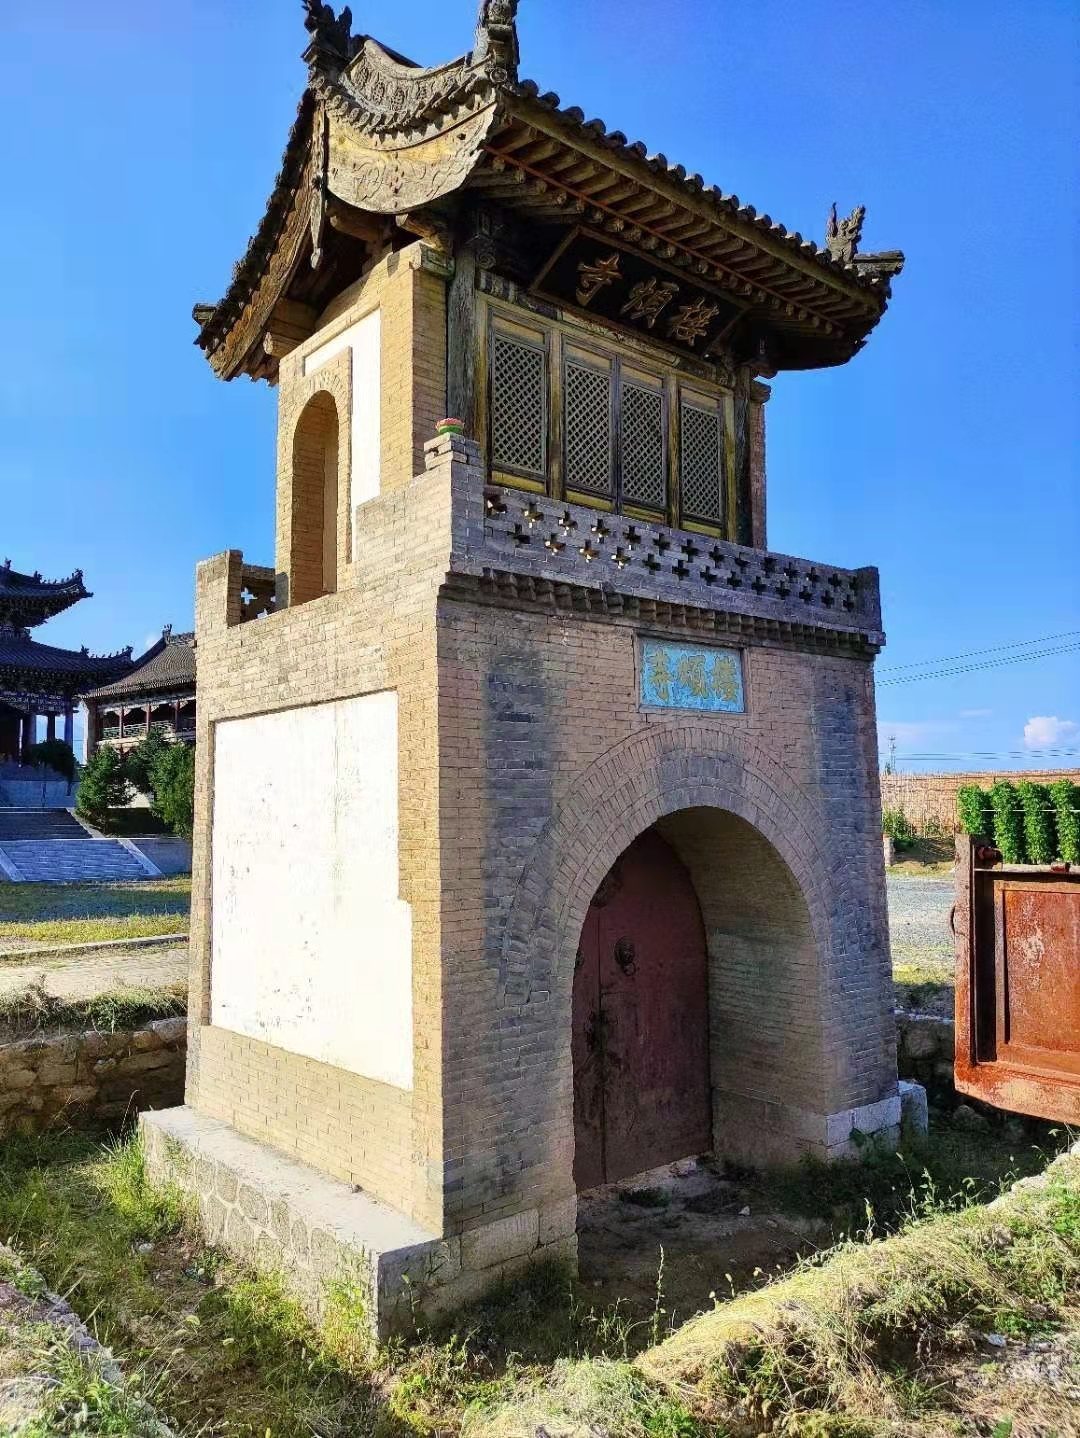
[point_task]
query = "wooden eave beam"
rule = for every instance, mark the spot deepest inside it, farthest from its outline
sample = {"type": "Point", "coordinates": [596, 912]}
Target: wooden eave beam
{"type": "Point", "coordinates": [684, 229]}
{"type": "Point", "coordinates": [573, 170]}
{"type": "Point", "coordinates": [552, 209]}
{"type": "Point", "coordinates": [357, 224]}
{"type": "Point", "coordinates": [517, 138]}
{"type": "Point", "coordinates": [698, 204]}
{"type": "Point", "coordinates": [539, 150]}
{"type": "Point", "coordinates": [289, 325]}
{"type": "Point", "coordinates": [612, 191]}
{"type": "Point", "coordinates": [653, 240]}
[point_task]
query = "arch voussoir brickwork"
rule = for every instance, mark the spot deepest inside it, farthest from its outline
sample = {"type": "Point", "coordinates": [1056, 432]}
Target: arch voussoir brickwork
{"type": "Point", "coordinates": [643, 779]}
{"type": "Point", "coordinates": [675, 772]}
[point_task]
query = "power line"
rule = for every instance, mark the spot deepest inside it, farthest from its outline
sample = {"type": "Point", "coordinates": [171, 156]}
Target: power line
{"type": "Point", "coordinates": [984, 664]}
{"type": "Point", "coordinates": [991, 754]}
{"type": "Point", "coordinates": [972, 653]}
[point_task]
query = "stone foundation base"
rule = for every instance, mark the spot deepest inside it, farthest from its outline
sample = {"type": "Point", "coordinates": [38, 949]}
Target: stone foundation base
{"type": "Point", "coordinates": [282, 1216]}
{"type": "Point", "coordinates": [759, 1133]}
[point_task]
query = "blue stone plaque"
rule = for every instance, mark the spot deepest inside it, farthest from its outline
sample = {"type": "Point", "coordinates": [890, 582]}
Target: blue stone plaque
{"type": "Point", "coordinates": [691, 676]}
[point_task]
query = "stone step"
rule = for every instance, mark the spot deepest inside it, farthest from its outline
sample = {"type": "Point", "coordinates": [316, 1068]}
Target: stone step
{"type": "Point", "coordinates": [65, 861]}
{"type": "Point", "coordinates": [18, 824]}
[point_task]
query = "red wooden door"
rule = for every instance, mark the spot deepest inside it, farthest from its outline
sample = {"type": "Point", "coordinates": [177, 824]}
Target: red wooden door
{"type": "Point", "coordinates": [641, 1024]}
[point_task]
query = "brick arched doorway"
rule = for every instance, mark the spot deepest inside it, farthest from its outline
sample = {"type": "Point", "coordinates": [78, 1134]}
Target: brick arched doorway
{"type": "Point", "coordinates": [640, 1019]}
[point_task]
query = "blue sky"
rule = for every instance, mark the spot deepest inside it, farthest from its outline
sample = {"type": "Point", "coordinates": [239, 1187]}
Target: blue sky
{"type": "Point", "coordinates": [142, 142]}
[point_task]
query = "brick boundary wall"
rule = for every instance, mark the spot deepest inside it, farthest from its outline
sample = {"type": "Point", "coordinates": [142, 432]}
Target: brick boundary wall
{"type": "Point", "coordinates": [931, 798]}
{"type": "Point", "coordinates": [90, 1077]}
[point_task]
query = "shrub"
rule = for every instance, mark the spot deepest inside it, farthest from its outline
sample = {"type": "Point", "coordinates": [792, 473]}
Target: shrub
{"type": "Point", "coordinates": [895, 825]}
{"type": "Point", "coordinates": [1040, 837]}
{"type": "Point", "coordinates": [102, 786]}
{"type": "Point", "coordinates": [140, 760]}
{"type": "Point", "coordinates": [1008, 822]}
{"type": "Point", "coordinates": [974, 811]}
{"type": "Point", "coordinates": [1065, 797]}
{"type": "Point", "coordinates": [55, 755]}
{"type": "Point", "coordinates": [172, 779]}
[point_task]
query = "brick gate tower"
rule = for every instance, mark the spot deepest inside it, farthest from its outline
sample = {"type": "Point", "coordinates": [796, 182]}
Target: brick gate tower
{"type": "Point", "coordinates": [537, 818]}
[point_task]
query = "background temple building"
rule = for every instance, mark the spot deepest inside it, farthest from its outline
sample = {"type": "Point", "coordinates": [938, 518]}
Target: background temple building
{"type": "Point", "coordinates": [537, 834]}
{"type": "Point", "coordinates": [157, 694]}
{"type": "Point", "coordinates": [39, 679]}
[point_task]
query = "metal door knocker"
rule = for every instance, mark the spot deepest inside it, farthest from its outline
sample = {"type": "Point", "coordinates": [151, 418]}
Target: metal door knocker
{"type": "Point", "coordinates": [626, 957]}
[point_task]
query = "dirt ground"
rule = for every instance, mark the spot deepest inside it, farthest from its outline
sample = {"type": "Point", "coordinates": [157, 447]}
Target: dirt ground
{"type": "Point", "coordinates": [661, 1242]}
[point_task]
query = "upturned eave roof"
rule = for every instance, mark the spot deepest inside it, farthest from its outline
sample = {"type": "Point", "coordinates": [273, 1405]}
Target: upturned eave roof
{"type": "Point", "coordinates": [382, 136]}
{"type": "Point", "coordinates": [30, 599]}
{"type": "Point", "coordinates": [167, 667]}
{"type": "Point", "coordinates": [27, 665]}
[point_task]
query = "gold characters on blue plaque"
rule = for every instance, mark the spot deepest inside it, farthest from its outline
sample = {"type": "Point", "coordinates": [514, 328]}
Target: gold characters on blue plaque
{"type": "Point", "coordinates": [691, 676]}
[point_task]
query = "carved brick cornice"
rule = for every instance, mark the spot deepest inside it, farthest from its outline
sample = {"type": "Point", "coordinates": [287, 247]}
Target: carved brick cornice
{"type": "Point", "coordinates": [545, 541]}
{"type": "Point", "coordinates": [547, 596]}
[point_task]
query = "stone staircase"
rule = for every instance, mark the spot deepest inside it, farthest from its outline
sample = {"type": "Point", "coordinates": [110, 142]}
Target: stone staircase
{"type": "Point", "coordinates": [68, 861]}
{"type": "Point", "coordinates": [37, 824]}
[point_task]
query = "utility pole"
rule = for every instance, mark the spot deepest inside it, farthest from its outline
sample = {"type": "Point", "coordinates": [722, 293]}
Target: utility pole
{"type": "Point", "coordinates": [890, 766]}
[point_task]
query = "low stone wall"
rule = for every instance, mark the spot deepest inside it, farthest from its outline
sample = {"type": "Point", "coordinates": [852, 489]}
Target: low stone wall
{"type": "Point", "coordinates": [168, 853]}
{"type": "Point", "coordinates": [924, 1053]}
{"type": "Point", "coordinates": [34, 1323]}
{"type": "Point", "coordinates": [91, 1077]}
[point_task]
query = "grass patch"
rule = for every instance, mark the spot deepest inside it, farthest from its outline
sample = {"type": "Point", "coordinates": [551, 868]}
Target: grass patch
{"type": "Point", "coordinates": [925, 858]}
{"type": "Point", "coordinates": [861, 1339]}
{"type": "Point", "coordinates": [83, 1396]}
{"type": "Point", "coordinates": [35, 1010]}
{"type": "Point", "coordinates": [886, 1184]}
{"type": "Point", "coordinates": [87, 913]}
{"type": "Point", "coordinates": [235, 1352]}
{"type": "Point", "coordinates": [858, 1343]}
{"type": "Point", "coordinates": [924, 979]}
{"type": "Point", "coordinates": [230, 1351]}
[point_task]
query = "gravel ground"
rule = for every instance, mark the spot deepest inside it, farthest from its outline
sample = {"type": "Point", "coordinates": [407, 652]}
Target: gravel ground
{"type": "Point", "coordinates": [919, 914]}
{"type": "Point", "coordinates": [93, 974]}
{"type": "Point", "coordinates": [922, 948]}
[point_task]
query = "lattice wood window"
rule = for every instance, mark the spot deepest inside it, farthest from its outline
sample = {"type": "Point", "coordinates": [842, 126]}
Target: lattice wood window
{"type": "Point", "coordinates": [642, 450]}
{"type": "Point", "coordinates": [701, 465]}
{"type": "Point", "coordinates": [610, 429]}
{"type": "Point", "coordinates": [587, 428]}
{"type": "Point", "coordinates": [518, 405]}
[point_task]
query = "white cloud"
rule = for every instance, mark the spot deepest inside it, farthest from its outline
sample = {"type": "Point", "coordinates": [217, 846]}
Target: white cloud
{"type": "Point", "coordinates": [910, 733]}
{"type": "Point", "coordinates": [1043, 731]}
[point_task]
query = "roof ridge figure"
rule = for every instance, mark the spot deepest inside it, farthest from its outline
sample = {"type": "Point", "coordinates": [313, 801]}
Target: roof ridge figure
{"type": "Point", "coordinates": [331, 35]}
{"type": "Point", "coordinates": [496, 40]}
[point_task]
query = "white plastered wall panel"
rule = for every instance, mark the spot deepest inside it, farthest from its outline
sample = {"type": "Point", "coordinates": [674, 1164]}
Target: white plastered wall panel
{"type": "Point", "coordinates": [363, 338]}
{"type": "Point", "coordinates": [311, 945]}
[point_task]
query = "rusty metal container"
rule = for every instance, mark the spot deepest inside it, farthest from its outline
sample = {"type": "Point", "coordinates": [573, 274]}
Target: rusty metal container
{"type": "Point", "coordinates": [1017, 937]}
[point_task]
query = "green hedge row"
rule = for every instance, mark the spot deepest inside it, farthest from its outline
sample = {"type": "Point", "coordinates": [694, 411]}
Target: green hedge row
{"type": "Point", "coordinates": [1030, 823]}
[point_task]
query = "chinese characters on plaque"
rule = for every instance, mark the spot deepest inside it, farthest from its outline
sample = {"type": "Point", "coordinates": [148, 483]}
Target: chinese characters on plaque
{"type": "Point", "coordinates": [691, 676]}
{"type": "Point", "coordinates": [619, 285]}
